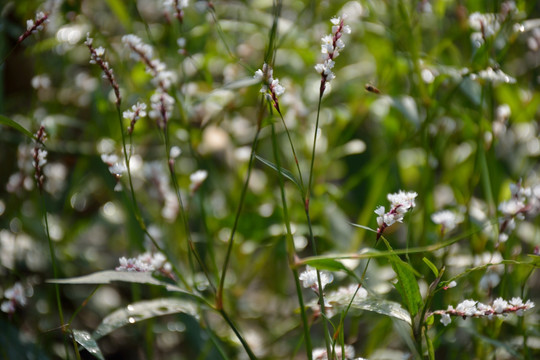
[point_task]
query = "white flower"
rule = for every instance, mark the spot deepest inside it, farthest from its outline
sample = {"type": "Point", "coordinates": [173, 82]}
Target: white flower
{"type": "Point", "coordinates": [309, 278]}
{"type": "Point", "coordinates": [499, 305]}
{"type": "Point", "coordinates": [403, 199]}
{"type": "Point", "coordinates": [448, 219]}
{"type": "Point", "coordinates": [197, 179]}
{"type": "Point", "coordinates": [445, 319]}
{"type": "Point", "coordinates": [175, 152]}
{"type": "Point", "coordinates": [138, 48]}
{"type": "Point", "coordinates": [145, 262]}
{"type": "Point", "coordinates": [467, 307]}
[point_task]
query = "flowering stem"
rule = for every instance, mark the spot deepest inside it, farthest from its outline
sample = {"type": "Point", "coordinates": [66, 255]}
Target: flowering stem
{"type": "Point", "coordinates": [55, 269]}
{"type": "Point", "coordinates": [137, 211]}
{"type": "Point", "coordinates": [310, 227]}
{"type": "Point", "coordinates": [290, 244]}
{"type": "Point", "coordinates": [219, 296]}
{"type": "Point", "coordinates": [183, 211]}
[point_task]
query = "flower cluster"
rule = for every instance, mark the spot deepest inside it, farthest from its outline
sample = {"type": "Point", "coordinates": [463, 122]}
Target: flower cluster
{"type": "Point", "coordinates": [15, 296]}
{"type": "Point", "coordinates": [401, 202]}
{"type": "Point", "coordinates": [137, 111]}
{"type": "Point", "coordinates": [40, 157]}
{"type": "Point", "coordinates": [145, 263]}
{"type": "Point", "coordinates": [524, 200]}
{"type": "Point", "coordinates": [160, 102]}
{"type": "Point", "coordinates": [447, 219]}
{"type": "Point", "coordinates": [494, 76]}
{"type": "Point", "coordinates": [161, 189]}
{"type": "Point", "coordinates": [270, 84]}
{"type": "Point", "coordinates": [116, 167]}
{"type": "Point", "coordinates": [331, 46]}
{"type": "Point", "coordinates": [33, 26]}
{"type": "Point", "coordinates": [177, 7]}
{"type": "Point", "coordinates": [488, 25]}
{"type": "Point", "coordinates": [96, 57]}
{"type": "Point", "coordinates": [309, 279]}
{"type": "Point", "coordinates": [471, 308]}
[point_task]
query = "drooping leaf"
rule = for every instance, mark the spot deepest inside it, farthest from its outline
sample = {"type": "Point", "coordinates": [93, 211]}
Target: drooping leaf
{"type": "Point", "coordinates": [339, 300]}
{"type": "Point", "coordinates": [407, 286]}
{"type": "Point", "coordinates": [286, 173]}
{"type": "Point", "coordinates": [108, 276]}
{"type": "Point", "coordinates": [86, 340]}
{"type": "Point", "coordinates": [11, 123]}
{"type": "Point", "coordinates": [330, 265]}
{"type": "Point", "coordinates": [141, 311]}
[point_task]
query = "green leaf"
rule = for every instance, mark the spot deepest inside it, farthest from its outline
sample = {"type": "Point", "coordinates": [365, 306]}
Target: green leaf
{"type": "Point", "coordinates": [286, 173]}
{"type": "Point", "coordinates": [407, 286]}
{"type": "Point", "coordinates": [108, 276]}
{"type": "Point", "coordinates": [121, 13]}
{"type": "Point", "coordinates": [11, 123]}
{"type": "Point", "coordinates": [141, 311]}
{"type": "Point", "coordinates": [431, 266]}
{"type": "Point", "coordinates": [330, 265]}
{"type": "Point", "coordinates": [88, 342]}
{"type": "Point", "coordinates": [340, 300]}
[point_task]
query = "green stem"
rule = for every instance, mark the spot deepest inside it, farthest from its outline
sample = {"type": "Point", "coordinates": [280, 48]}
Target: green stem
{"type": "Point", "coordinates": [237, 333]}
{"type": "Point", "coordinates": [219, 296]}
{"type": "Point", "coordinates": [136, 205]}
{"type": "Point", "coordinates": [183, 211]}
{"type": "Point", "coordinates": [327, 338]}
{"type": "Point", "coordinates": [55, 269]}
{"type": "Point", "coordinates": [291, 248]}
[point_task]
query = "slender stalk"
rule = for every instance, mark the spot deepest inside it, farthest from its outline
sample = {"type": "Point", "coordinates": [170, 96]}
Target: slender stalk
{"type": "Point", "coordinates": [310, 227]}
{"type": "Point", "coordinates": [183, 212]}
{"type": "Point", "coordinates": [237, 333]}
{"type": "Point", "coordinates": [136, 208]}
{"type": "Point", "coordinates": [291, 248]}
{"type": "Point", "coordinates": [219, 296]}
{"type": "Point", "coordinates": [55, 269]}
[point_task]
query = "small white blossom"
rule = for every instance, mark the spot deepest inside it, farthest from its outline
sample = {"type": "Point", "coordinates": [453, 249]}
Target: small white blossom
{"type": "Point", "coordinates": [448, 219]}
{"type": "Point", "coordinates": [265, 75]}
{"type": "Point", "coordinates": [15, 297]}
{"type": "Point", "coordinates": [145, 262]}
{"type": "Point", "coordinates": [445, 319]}
{"type": "Point", "coordinates": [175, 152]}
{"type": "Point", "coordinates": [493, 76]}
{"type": "Point", "coordinates": [499, 305]}
{"type": "Point", "coordinates": [309, 278]}
{"type": "Point", "coordinates": [197, 178]}
{"type": "Point", "coordinates": [331, 45]}
{"type": "Point", "coordinates": [401, 202]}
{"type": "Point", "coordinates": [471, 308]}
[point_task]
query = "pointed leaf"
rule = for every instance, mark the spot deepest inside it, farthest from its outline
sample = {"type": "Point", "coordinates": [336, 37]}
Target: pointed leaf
{"type": "Point", "coordinates": [339, 300]}
{"type": "Point", "coordinates": [286, 173]}
{"type": "Point", "coordinates": [330, 265]}
{"type": "Point", "coordinates": [141, 311]}
{"type": "Point", "coordinates": [407, 286]}
{"type": "Point", "coordinates": [88, 342]}
{"type": "Point", "coordinates": [108, 276]}
{"type": "Point", "coordinates": [11, 123]}
{"type": "Point", "coordinates": [431, 266]}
